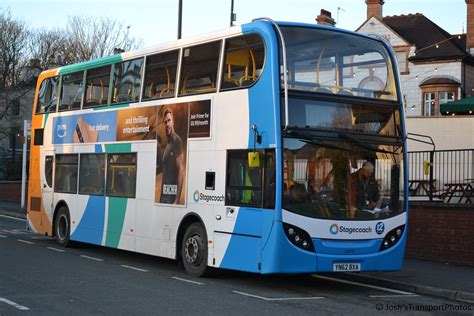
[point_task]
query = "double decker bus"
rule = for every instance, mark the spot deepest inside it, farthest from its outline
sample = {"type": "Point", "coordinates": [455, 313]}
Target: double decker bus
{"type": "Point", "coordinates": [271, 147]}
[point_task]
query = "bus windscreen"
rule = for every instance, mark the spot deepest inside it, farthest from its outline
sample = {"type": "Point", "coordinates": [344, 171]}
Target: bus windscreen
{"type": "Point", "coordinates": [332, 62]}
{"type": "Point", "coordinates": [341, 179]}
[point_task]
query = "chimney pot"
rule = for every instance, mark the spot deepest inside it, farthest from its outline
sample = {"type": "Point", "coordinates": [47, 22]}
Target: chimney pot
{"type": "Point", "coordinates": [374, 8]}
{"type": "Point", "coordinates": [324, 18]}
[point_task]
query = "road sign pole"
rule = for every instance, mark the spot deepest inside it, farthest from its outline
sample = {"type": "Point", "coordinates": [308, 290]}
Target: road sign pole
{"type": "Point", "coordinates": [23, 169]}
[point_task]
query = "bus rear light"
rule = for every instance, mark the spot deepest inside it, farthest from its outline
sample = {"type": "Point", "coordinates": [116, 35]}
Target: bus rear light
{"type": "Point", "coordinates": [392, 238]}
{"type": "Point", "coordinates": [298, 237]}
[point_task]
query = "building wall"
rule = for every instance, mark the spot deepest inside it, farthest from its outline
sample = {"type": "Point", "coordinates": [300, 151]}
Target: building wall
{"type": "Point", "coordinates": [417, 73]}
{"type": "Point", "coordinates": [10, 167]}
{"type": "Point", "coordinates": [26, 105]}
{"type": "Point", "coordinates": [442, 234]}
{"type": "Point", "coordinates": [421, 72]}
{"type": "Point", "coordinates": [469, 73]}
{"type": "Point", "coordinates": [448, 132]}
{"type": "Point", "coordinates": [10, 191]}
{"type": "Point", "coordinates": [376, 27]}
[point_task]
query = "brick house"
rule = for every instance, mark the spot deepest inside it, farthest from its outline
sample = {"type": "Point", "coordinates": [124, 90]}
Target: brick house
{"type": "Point", "coordinates": [436, 67]}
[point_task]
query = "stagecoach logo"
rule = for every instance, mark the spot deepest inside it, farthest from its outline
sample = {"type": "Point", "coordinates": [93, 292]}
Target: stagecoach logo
{"type": "Point", "coordinates": [61, 130]}
{"type": "Point", "coordinates": [379, 228]}
{"type": "Point", "coordinates": [334, 229]}
{"type": "Point", "coordinates": [207, 197]}
{"type": "Point", "coordinates": [196, 196]}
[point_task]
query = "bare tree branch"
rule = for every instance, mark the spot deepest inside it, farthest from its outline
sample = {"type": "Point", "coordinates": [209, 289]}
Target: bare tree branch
{"type": "Point", "coordinates": [13, 57]}
{"type": "Point", "coordinates": [89, 38]}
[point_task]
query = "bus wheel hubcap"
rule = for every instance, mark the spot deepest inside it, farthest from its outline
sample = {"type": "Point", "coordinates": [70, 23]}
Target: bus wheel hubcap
{"type": "Point", "coordinates": [62, 227]}
{"type": "Point", "coordinates": [191, 249]}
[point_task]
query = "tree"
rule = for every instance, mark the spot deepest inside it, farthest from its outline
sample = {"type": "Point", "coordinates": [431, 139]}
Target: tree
{"type": "Point", "coordinates": [14, 36]}
{"type": "Point", "coordinates": [89, 38]}
{"type": "Point", "coordinates": [48, 46]}
{"type": "Point", "coordinates": [13, 39]}
{"type": "Point", "coordinates": [24, 52]}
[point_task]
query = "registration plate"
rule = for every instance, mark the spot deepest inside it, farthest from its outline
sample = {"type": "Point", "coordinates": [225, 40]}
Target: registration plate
{"type": "Point", "coordinates": [345, 267]}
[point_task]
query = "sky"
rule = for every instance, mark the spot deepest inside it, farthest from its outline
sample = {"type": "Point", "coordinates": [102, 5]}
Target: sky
{"type": "Point", "coordinates": [155, 21]}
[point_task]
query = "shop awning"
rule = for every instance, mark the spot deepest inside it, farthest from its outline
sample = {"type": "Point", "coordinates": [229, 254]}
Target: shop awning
{"type": "Point", "coordinates": [458, 107]}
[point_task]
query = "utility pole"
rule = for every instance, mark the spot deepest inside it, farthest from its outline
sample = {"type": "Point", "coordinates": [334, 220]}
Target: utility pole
{"type": "Point", "coordinates": [232, 18]}
{"type": "Point", "coordinates": [180, 17]}
{"type": "Point", "coordinates": [26, 132]}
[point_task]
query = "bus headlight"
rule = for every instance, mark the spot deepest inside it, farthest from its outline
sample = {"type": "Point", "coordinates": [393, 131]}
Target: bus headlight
{"type": "Point", "coordinates": [298, 237]}
{"type": "Point", "coordinates": [392, 237]}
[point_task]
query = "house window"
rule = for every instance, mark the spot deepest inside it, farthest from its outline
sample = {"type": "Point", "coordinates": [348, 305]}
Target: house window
{"type": "Point", "coordinates": [436, 91]}
{"type": "Point", "coordinates": [429, 104]}
{"type": "Point", "coordinates": [445, 97]}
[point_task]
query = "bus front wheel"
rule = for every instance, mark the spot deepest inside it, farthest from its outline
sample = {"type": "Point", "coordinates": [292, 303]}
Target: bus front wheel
{"type": "Point", "coordinates": [194, 250]}
{"type": "Point", "coordinates": [62, 227]}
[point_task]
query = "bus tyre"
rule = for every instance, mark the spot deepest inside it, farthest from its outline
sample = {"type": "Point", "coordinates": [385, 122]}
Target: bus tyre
{"type": "Point", "coordinates": [194, 250]}
{"type": "Point", "coordinates": [62, 227]}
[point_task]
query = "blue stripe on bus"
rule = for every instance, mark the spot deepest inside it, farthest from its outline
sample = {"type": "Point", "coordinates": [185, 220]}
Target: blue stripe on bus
{"type": "Point", "coordinates": [263, 98]}
{"type": "Point", "coordinates": [261, 108]}
{"type": "Point", "coordinates": [244, 252]}
{"type": "Point", "coordinates": [264, 103]}
{"type": "Point", "coordinates": [91, 227]}
{"type": "Point", "coordinates": [98, 148]}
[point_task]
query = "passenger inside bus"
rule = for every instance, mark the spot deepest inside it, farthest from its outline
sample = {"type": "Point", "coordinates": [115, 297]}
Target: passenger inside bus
{"type": "Point", "coordinates": [363, 190]}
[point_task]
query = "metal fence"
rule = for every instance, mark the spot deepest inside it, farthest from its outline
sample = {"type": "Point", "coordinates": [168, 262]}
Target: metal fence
{"type": "Point", "coordinates": [442, 175]}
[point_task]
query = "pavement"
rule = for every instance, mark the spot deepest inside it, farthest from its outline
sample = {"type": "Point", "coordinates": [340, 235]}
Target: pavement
{"type": "Point", "coordinates": [417, 276]}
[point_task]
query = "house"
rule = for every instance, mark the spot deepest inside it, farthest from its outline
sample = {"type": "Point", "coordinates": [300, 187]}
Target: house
{"type": "Point", "coordinates": [435, 67]}
{"type": "Point", "coordinates": [15, 107]}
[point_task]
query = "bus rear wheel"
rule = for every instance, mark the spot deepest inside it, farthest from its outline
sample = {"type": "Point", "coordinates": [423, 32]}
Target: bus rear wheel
{"type": "Point", "coordinates": [194, 250]}
{"type": "Point", "coordinates": [62, 227]}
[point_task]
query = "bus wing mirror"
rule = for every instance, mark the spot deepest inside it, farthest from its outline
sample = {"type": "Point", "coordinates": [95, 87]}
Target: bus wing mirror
{"type": "Point", "coordinates": [254, 159]}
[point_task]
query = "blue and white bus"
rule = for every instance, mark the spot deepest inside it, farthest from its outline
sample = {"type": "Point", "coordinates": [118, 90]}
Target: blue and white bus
{"type": "Point", "coordinates": [270, 147]}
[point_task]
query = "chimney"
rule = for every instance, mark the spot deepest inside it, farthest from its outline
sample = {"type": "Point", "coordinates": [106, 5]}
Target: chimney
{"type": "Point", "coordinates": [470, 27]}
{"type": "Point", "coordinates": [325, 18]}
{"type": "Point", "coordinates": [374, 8]}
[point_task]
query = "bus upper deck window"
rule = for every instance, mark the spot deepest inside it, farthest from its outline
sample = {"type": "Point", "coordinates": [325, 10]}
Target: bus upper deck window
{"type": "Point", "coordinates": [160, 75]}
{"type": "Point", "coordinates": [127, 81]}
{"type": "Point", "coordinates": [244, 60]}
{"type": "Point", "coordinates": [97, 86]}
{"type": "Point", "coordinates": [71, 91]}
{"type": "Point", "coordinates": [199, 68]}
{"type": "Point", "coordinates": [47, 96]}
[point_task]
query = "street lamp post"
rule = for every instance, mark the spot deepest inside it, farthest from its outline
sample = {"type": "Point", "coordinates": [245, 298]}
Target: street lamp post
{"type": "Point", "coordinates": [232, 15]}
{"type": "Point", "coordinates": [180, 17]}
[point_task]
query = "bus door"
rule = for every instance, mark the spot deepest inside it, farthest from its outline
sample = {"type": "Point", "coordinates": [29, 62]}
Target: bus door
{"type": "Point", "coordinates": [47, 182]}
{"type": "Point", "coordinates": [250, 188]}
